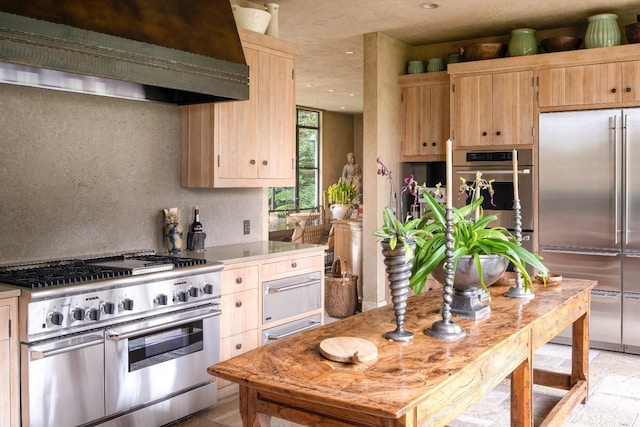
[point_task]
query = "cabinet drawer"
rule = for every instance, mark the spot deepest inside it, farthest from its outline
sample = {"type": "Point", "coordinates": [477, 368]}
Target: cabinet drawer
{"type": "Point", "coordinates": [292, 265]}
{"type": "Point", "coordinates": [4, 322]}
{"type": "Point", "coordinates": [239, 312]}
{"type": "Point", "coordinates": [291, 296]}
{"type": "Point", "coordinates": [234, 346]}
{"type": "Point", "coordinates": [239, 279]}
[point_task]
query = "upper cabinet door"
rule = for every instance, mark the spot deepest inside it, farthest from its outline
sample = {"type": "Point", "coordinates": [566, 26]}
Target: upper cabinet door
{"type": "Point", "coordinates": [236, 133]}
{"type": "Point", "coordinates": [424, 116]}
{"type": "Point", "coordinates": [512, 105]}
{"type": "Point", "coordinates": [631, 81]}
{"type": "Point", "coordinates": [494, 109]}
{"type": "Point", "coordinates": [595, 84]}
{"type": "Point", "coordinates": [473, 100]}
{"type": "Point", "coordinates": [276, 118]}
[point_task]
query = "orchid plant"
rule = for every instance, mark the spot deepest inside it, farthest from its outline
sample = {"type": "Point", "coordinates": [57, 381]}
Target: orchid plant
{"type": "Point", "coordinates": [472, 236]}
{"type": "Point", "coordinates": [394, 229]}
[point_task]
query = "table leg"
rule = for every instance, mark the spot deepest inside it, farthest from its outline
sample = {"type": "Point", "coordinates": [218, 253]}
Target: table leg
{"type": "Point", "coordinates": [580, 352]}
{"type": "Point", "coordinates": [248, 404]}
{"type": "Point", "coordinates": [522, 395]}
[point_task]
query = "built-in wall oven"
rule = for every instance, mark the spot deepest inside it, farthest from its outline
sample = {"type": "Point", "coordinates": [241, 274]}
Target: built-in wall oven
{"type": "Point", "coordinates": [497, 165]}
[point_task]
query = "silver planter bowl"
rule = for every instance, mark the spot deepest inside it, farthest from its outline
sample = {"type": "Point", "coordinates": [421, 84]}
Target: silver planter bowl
{"type": "Point", "coordinates": [467, 277]}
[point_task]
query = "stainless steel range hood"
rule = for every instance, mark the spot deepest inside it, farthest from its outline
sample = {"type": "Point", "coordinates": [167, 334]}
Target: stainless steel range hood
{"type": "Point", "coordinates": [183, 52]}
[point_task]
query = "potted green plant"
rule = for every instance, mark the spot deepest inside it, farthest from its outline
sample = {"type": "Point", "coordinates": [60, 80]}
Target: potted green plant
{"type": "Point", "coordinates": [342, 195]}
{"type": "Point", "coordinates": [472, 237]}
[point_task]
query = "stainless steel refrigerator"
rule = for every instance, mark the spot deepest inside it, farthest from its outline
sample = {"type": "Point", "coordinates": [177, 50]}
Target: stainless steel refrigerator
{"type": "Point", "coordinates": [589, 214]}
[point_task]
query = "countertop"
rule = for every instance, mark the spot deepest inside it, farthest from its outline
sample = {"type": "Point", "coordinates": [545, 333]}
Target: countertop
{"type": "Point", "coordinates": [254, 251]}
{"type": "Point", "coordinates": [8, 291]}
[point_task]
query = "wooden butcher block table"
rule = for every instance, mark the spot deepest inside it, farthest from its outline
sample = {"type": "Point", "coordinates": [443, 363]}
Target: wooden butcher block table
{"type": "Point", "coordinates": [426, 381]}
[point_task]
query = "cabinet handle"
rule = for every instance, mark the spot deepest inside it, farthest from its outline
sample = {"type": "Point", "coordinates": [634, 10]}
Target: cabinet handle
{"type": "Point", "coordinates": [433, 144]}
{"type": "Point", "coordinates": [498, 133]}
{"type": "Point", "coordinates": [239, 280]}
{"type": "Point", "coordinates": [613, 90]}
{"type": "Point", "coordinates": [264, 162]}
{"type": "Point", "coordinates": [238, 346]}
{"type": "Point", "coordinates": [424, 144]}
{"type": "Point", "coordinates": [484, 133]}
{"type": "Point", "coordinates": [253, 162]}
{"type": "Point", "coordinates": [294, 264]}
{"type": "Point", "coordinates": [628, 89]}
{"type": "Point", "coordinates": [238, 303]}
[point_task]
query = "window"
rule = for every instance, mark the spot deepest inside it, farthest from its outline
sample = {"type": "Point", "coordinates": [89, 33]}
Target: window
{"type": "Point", "coordinates": [305, 195]}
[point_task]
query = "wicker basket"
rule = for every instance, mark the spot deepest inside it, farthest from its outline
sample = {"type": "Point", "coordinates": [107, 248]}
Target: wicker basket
{"type": "Point", "coordinates": [341, 291]}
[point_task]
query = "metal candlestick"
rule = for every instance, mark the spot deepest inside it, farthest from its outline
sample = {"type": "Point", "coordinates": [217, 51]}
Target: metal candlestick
{"type": "Point", "coordinates": [518, 291]}
{"type": "Point", "coordinates": [445, 328]}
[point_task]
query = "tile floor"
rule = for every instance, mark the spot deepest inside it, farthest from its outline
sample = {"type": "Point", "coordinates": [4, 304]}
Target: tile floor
{"type": "Point", "coordinates": [614, 396]}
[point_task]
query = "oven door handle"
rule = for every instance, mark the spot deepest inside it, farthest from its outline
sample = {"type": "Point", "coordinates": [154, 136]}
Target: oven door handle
{"type": "Point", "coordinates": [494, 171]}
{"type": "Point", "coordinates": [85, 342]}
{"type": "Point", "coordinates": [272, 290]}
{"type": "Point", "coordinates": [117, 336]}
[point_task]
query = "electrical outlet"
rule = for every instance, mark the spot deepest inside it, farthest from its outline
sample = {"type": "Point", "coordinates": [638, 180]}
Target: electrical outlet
{"type": "Point", "coordinates": [247, 226]}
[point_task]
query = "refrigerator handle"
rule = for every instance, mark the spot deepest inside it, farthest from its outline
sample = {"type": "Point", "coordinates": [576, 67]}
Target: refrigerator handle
{"type": "Point", "coordinates": [568, 252]}
{"type": "Point", "coordinates": [625, 154]}
{"type": "Point", "coordinates": [613, 125]}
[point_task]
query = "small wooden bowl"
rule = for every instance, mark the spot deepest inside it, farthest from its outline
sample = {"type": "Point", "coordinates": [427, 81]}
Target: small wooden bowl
{"type": "Point", "coordinates": [561, 43]}
{"type": "Point", "coordinates": [633, 32]}
{"type": "Point", "coordinates": [479, 51]}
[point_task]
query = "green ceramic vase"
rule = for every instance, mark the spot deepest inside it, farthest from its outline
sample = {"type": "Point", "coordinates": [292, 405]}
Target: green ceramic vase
{"type": "Point", "coordinates": [523, 42]}
{"type": "Point", "coordinates": [602, 31]}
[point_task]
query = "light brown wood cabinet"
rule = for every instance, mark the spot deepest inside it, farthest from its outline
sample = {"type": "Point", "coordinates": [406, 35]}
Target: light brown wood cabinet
{"type": "Point", "coordinates": [424, 116]}
{"type": "Point", "coordinates": [9, 368]}
{"type": "Point", "coordinates": [239, 319]}
{"type": "Point", "coordinates": [246, 143]}
{"type": "Point", "coordinates": [590, 85]}
{"type": "Point", "coordinates": [494, 109]}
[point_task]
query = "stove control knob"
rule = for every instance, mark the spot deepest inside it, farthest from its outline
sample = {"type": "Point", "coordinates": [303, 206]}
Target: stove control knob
{"type": "Point", "coordinates": [56, 318]}
{"type": "Point", "coordinates": [108, 307]}
{"type": "Point", "coordinates": [194, 292]}
{"type": "Point", "coordinates": [127, 304]}
{"type": "Point", "coordinates": [208, 289]}
{"type": "Point", "coordinates": [161, 299]}
{"type": "Point", "coordinates": [78, 313]}
{"type": "Point", "coordinates": [182, 296]}
{"type": "Point", "coordinates": [93, 314]}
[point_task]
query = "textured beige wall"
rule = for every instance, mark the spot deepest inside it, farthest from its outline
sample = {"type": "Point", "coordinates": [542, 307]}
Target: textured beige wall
{"type": "Point", "coordinates": [384, 60]}
{"type": "Point", "coordinates": [83, 174]}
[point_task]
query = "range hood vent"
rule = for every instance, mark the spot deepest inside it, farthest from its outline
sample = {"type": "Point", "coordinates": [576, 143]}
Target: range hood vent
{"type": "Point", "coordinates": [182, 52]}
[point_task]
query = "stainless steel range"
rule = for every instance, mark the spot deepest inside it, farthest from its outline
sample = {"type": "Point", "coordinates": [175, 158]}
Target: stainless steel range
{"type": "Point", "coordinates": [116, 340]}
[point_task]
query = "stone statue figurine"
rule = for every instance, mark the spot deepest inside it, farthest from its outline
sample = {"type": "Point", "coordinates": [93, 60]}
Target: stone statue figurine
{"type": "Point", "coordinates": [353, 172]}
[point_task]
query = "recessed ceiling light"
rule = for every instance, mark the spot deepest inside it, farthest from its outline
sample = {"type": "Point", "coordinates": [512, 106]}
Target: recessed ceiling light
{"type": "Point", "coordinates": [332, 90]}
{"type": "Point", "coordinates": [429, 5]}
{"type": "Point", "coordinates": [343, 108]}
{"type": "Point", "coordinates": [309, 85]}
{"type": "Point", "coordinates": [349, 52]}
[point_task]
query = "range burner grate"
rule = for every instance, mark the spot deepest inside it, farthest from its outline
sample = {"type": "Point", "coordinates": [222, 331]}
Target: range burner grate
{"type": "Point", "coordinates": [47, 276]}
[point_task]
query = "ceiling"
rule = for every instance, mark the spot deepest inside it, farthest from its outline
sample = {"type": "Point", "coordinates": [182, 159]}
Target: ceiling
{"type": "Point", "coordinates": [329, 79]}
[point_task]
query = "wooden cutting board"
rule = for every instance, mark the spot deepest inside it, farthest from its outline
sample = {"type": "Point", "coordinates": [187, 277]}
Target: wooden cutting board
{"type": "Point", "coordinates": [348, 349]}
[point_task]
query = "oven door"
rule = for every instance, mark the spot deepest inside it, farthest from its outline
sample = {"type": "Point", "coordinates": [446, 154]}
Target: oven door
{"type": "Point", "coordinates": [502, 202]}
{"type": "Point", "coordinates": [65, 385]}
{"type": "Point", "coordinates": [152, 359]}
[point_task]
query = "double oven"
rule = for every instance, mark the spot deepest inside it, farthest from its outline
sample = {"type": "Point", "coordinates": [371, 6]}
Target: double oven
{"type": "Point", "coordinates": [116, 342]}
{"type": "Point", "coordinates": [497, 165]}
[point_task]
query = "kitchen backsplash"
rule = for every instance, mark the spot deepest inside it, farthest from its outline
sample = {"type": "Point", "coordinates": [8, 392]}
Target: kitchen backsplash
{"type": "Point", "coordinates": [81, 174]}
